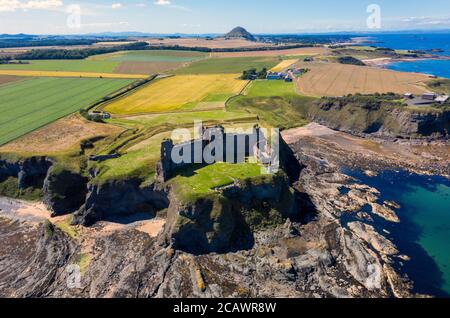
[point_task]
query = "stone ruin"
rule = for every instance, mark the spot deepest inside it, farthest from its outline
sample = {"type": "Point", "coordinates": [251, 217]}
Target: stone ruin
{"type": "Point", "coordinates": [218, 146]}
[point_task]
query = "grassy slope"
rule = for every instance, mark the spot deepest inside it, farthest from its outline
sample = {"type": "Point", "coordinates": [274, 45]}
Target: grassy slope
{"type": "Point", "coordinates": [274, 102]}
{"type": "Point", "coordinates": [140, 156]}
{"type": "Point", "coordinates": [31, 104]}
{"type": "Point", "coordinates": [228, 65]}
{"type": "Point", "coordinates": [263, 88]}
{"type": "Point", "coordinates": [195, 181]}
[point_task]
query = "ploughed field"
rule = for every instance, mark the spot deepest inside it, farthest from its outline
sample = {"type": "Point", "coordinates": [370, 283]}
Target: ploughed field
{"type": "Point", "coordinates": [30, 104]}
{"type": "Point", "coordinates": [183, 92]}
{"type": "Point", "coordinates": [332, 79]}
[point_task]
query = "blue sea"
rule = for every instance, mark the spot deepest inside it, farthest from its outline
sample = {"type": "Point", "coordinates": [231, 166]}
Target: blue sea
{"type": "Point", "coordinates": [424, 42]}
{"type": "Point", "coordinates": [424, 231]}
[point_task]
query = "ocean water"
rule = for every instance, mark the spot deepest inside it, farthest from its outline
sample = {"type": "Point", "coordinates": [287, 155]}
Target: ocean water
{"type": "Point", "coordinates": [425, 42]}
{"type": "Point", "coordinates": [440, 68]}
{"type": "Point", "coordinates": [404, 41]}
{"type": "Point", "coordinates": [424, 231]}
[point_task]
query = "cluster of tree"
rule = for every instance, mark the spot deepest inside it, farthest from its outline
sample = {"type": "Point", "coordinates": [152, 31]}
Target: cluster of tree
{"type": "Point", "coordinates": [211, 50]}
{"type": "Point", "coordinates": [253, 74]}
{"type": "Point", "coordinates": [350, 60]}
{"type": "Point", "coordinates": [5, 59]}
{"type": "Point", "coordinates": [58, 54]}
{"type": "Point", "coordinates": [45, 42]}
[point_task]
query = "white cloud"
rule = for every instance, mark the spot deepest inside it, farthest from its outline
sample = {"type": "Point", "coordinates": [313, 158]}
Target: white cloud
{"type": "Point", "coordinates": [163, 2]}
{"type": "Point", "coordinates": [13, 5]}
{"type": "Point", "coordinates": [169, 4]}
{"type": "Point", "coordinates": [116, 6]}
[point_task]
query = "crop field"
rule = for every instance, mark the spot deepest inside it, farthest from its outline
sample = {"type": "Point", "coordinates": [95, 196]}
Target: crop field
{"type": "Point", "coordinates": [307, 51]}
{"type": "Point", "coordinates": [150, 56]}
{"type": "Point", "coordinates": [228, 65]}
{"type": "Point", "coordinates": [147, 67]}
{"type": "Point", "coordinates": [69, 74]}
{"type": "Point", "coordinates": [329, 79]}
{"type": "Point", "coordinates": [64, 66]}
{"type": "Point", "coordinates": [200, 42]}
{"type": "Point", "coordinates": [28, 105]}
{"type": "Point", "coordinates": [149, 62]}
{"type": "Point", "coordinates": [265, 88]}
{"type": "Point", "coordinates": [283, 65]}
{"type": "Point", "coordinates": [179, 92]}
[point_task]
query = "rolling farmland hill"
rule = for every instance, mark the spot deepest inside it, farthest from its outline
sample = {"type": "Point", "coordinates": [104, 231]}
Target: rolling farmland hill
{"type": "Point", "coordinates": [332, 79]}
{"type": "Point", "coordinates": [28, 105]}
{"type": "Point", "coordinates": [229, 65]}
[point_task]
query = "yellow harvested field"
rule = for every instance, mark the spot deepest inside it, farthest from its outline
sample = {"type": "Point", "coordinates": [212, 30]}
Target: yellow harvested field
{"type": "Point", "coordinates": [332, 79]}
{"type": "Point", "coordinates": [283, 65]}
{"type": "Point", "coordinates": [69, 74]}
{"type": "Point", "coordinates": [177, 92]}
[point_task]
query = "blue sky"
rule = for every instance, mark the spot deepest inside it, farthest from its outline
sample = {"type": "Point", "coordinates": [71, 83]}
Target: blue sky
{"type": "Point", "coordinates": [217, 16]}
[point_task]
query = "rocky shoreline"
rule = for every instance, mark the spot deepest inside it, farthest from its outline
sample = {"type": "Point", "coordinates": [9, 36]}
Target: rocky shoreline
{"type": "Point", "coordinates": [332, 250]}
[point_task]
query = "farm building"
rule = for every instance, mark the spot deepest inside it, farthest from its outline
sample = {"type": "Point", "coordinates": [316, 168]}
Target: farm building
{"type": "Point", "coordinates": [276, 76]}
{"type": "Point", "coordinates": [429, 96]}
{"type": "Point", "coordinates": [408, 96]}
{"type": "Point", "coordinates": [425, 99]}
{"type": "Point", "coordinates": [442, 99]}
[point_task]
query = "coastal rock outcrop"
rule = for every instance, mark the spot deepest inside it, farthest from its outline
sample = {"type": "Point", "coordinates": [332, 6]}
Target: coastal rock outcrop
{"type": "Point", "coordinates": [368, 117]}
{"type": "Point", "coordinates": [64, 191]}
{"type": "Point", "coordinates": [119, 198]}
{"type": "Point", "coordinates": [226, 220]}
{"type": "Point", "coordinates": [30, 172]}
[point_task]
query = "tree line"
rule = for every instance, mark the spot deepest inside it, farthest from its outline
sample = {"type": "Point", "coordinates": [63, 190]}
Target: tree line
{"type": "Point", "coordinates": [63, 54]}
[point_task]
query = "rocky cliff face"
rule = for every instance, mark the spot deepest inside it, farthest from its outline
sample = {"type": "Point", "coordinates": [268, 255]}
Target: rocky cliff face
{"type": "Point", "coordinates": [119, 197]}
{"type": "Point", "coordinates": [64, 191]}
{"type": "Point", "coordinates": [33, 259]}
{"type": "Point", "coordinates": [382, 120]}
{"type": "Point", "coordinates": [226, 221]}
{"type": "Point", "coordinates": [29, 172]}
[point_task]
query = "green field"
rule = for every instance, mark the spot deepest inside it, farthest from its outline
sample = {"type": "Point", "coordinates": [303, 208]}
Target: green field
{"type": "Point", "coordinates": [65, 66]}
{"type": "Point", "coordinates": [269, 88]}
{"type": "Point", "coordinates": [228, 65]}
{"type": "Point", "coordinates": [197, 181]}
{"type": "Point", "coordinates": [151, 56]}
{"type": "Point", "coordinates": [28, 105]}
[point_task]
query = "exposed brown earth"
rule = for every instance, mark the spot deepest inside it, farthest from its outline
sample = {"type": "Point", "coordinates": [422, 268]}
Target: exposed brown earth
{"type": "Point", "coordinates": [61, 135]}
{"type": "Point", "coordinates": [5, 79]}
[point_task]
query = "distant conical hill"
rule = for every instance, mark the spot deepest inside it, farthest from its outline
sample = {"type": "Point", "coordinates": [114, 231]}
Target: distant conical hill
{"type": "Point", "coordinates": [240, 33]}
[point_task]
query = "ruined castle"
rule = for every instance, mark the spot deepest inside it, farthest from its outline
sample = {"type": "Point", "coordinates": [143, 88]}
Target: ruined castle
{"type": "Point", "coordinates": [215, 145]}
